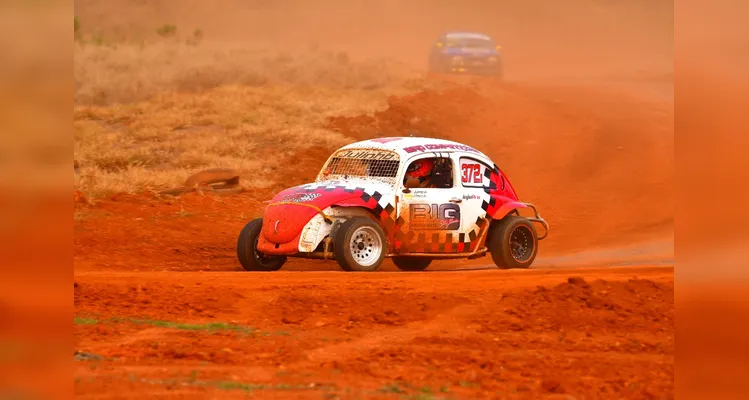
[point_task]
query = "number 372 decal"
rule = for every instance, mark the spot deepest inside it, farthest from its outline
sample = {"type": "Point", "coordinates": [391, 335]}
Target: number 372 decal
{"type": "Point", "coordinates": [471, 173]}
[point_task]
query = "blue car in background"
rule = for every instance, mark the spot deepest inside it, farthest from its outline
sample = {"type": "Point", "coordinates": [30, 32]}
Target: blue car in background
{"type": "Point", "coordinates": [469, 53]}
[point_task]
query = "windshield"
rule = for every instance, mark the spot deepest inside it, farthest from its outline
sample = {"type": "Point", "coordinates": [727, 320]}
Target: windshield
{"type": "Point", "coordinates": [362, 163]}
{"type": "Point", "coordinates": [470, 43]}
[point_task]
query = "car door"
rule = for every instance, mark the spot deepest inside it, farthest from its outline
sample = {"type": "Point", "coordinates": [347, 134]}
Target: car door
{"type": "Point", "coordinates": [430, 220]}
{"type": "Point", "coordinates": [473, 184]}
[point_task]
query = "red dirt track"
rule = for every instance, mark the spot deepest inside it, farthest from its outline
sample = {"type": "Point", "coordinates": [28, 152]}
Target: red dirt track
{"type": "Point", "coordinates": [327, 334]}
{"type": "Point", "coordinates": [596, 161]}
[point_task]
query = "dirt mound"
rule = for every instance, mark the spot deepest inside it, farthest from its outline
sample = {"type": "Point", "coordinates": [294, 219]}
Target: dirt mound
{"type": "Point", "coordinates": [598, 307]}
{"type": "Point", "coordinates": [596, 160]}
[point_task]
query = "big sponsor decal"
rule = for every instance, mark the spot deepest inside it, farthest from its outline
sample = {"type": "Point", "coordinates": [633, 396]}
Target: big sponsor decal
{"type": "Point", "coordinates": [435, 217]}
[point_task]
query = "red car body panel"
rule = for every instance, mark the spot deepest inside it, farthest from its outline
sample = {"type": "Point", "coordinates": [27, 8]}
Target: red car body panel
{"type": "Point", "coordinates": [290, 210]}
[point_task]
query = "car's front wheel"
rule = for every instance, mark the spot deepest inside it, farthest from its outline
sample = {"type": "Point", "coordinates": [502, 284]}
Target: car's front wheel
{"type": "Point", "coordinates": [247, 253]}
{"type": "Point", "coordinates": [359, 245]}
{"type": "Point", "coordinates": [513, 242]}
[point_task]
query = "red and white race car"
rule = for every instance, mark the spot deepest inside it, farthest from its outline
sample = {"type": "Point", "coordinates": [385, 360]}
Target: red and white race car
{"type": "Point", "coordinates": [409, 198]}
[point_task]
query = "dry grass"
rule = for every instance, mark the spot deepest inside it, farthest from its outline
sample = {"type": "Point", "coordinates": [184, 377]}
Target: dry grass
{"type": "Point", "coordinates": [107, 73]}
{"type": "Point", "coordinates": [156, 144]}
{"type": "Point", "coordinates": [148, 115]}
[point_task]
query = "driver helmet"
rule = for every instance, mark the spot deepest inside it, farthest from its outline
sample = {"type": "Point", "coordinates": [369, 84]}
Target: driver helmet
{"type": "Point", "coordinates": [420, 168]}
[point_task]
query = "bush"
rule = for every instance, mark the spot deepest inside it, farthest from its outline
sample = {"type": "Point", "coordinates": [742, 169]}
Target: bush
{"type": "Point", "coordinates": [167, 30]}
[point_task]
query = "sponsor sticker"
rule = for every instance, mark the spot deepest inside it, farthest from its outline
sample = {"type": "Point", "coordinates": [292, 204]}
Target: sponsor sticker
{"type": "Point", "coordinates": [439, 146]}
{"type": "Point", "coordinates": [300, 197]}
{"type": "Point", "coordinates": [367, 155]}
{"type": "Point", "coordinates": [435, 217]}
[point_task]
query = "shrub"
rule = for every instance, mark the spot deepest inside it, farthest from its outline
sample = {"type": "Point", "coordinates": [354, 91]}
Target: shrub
{"type": "Point", "coordinates": [167, 30]}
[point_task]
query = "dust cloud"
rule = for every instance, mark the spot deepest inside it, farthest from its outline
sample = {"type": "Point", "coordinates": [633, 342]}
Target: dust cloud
{"type": "Point", "coordinates": [541, 39]}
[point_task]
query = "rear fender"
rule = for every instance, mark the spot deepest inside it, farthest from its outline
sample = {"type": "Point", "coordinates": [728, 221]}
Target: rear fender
{"type": "Point", "coordinates": [513, 206]}
{"type": "Point", "coordinates": [507, 208]}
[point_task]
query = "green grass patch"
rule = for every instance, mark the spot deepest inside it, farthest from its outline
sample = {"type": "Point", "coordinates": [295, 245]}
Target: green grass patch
{"type": "Point", "coordinates": [76, 28]}
{"type": "Point", "coordinates": [250, 387]}
{"type": "Point", "coordinates": [423, 396]}
{"type": "Point", "coordinates": [232, 385]}
{"type": "Point", "coordinates": [392, 388]}
{"type": "Point", "coordinates": [206, 327]}
{"type": "Point", "coordinates": [84, 321]}
{"type": "Point", "coordinates": [228, 385]}
{"type": "Point", "coordinates": [406, 391]}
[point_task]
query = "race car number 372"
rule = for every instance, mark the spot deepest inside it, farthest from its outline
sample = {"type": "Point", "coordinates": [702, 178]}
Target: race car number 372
{"type": "Point", "coordinates": [471, 173]}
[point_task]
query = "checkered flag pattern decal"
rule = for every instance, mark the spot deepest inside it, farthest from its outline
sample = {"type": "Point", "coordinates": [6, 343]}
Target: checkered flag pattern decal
{"type": "Point", "coordinates": [430, 241]}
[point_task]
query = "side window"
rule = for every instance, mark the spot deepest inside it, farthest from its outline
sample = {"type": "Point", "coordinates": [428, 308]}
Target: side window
{"type": "Point", "coordinates": [434, 172]}
{"type": "Point", "coordinates": [473, 173]}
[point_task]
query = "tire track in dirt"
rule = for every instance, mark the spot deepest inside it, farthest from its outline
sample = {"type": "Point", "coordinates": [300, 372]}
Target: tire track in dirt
{"type": "Point", "coordinates": [451, 324]}
{"type": "Point", "coordinates": [444, 323]}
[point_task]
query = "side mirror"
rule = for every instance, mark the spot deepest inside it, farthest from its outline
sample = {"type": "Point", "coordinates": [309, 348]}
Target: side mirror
{"type": "Point", "coordinates": [410, 184]}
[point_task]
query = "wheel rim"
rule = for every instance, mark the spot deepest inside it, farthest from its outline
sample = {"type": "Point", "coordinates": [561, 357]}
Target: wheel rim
{"type": "Point", "coordinates": [521, 244]}
{"type": "Point", "coordinates": [365, 246]}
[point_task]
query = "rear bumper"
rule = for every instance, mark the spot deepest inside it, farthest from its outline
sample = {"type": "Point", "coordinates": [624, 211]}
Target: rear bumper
{"type": "Point", "coordinates": [462, 65]}
{"type": "Point", "coordinates": [538, 219]}
{"type": "Point", "coordinates": [474, 71]}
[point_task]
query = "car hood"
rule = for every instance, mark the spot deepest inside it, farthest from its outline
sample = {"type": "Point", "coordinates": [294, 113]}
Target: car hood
{"type": "Point", "coordinates": [290, 210]}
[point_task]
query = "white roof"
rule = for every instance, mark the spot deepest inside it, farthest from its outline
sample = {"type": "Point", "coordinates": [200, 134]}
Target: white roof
{"type": "Point", "coordinates": [467, 35]}
{"type": "Point", "coordinates": [410, 146]}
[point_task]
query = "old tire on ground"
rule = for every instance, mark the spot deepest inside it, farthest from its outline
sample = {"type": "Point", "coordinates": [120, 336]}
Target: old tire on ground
{"type": "Point", "coordinates": [411, 263]}
{"type": "Point", "coordinates": [513, 242]}
{"type": "Point", "coordinates": [211, 176]}
{"type": "Point", "coordinates": [359, 245]}
{"type": "Point", "coordinates": [247, 253]}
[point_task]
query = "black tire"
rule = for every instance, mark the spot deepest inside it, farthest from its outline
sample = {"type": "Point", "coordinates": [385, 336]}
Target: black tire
{"type": "Point", "coordinates": [411, 263]}
{"type": "Point", "coordinates": [513, 242]}
{"type": "Point", "coordinates": [370, 236]}
{"type": "Point", "coordinates": [247, 253]}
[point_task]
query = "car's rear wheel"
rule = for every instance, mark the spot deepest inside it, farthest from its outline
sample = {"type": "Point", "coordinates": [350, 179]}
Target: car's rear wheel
{"type": "Point", "coordinates": [411, 263]}
{"type": "Point", "coordinates": [359, 245]}
{"type": "Point", "coordinates": [513, 242]}
{"type": "Point", "coordinates": [247, 253]}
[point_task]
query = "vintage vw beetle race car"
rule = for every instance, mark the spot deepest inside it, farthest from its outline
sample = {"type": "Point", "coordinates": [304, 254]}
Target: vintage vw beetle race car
{"type": "Point", "coordinates": [411, 199]}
